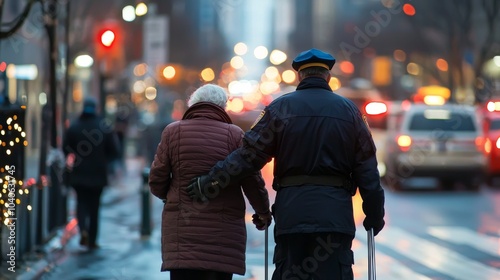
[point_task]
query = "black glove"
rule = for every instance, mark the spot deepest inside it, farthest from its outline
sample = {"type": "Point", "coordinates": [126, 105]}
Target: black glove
{"type": "Point", "coordinates": [262, 221]}
{"type": "Point", "coordinates": [198, 187]}
{"type": "Point", "coordinates": [377, 225]}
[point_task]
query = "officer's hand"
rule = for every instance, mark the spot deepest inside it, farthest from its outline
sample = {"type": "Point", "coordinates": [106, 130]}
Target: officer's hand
{"type": "Point", "coordinates": [377, 225]}
{"type": "Point", "coordinates": [262, 221]}
{"type": "Point", "coordinates": [195, 189]}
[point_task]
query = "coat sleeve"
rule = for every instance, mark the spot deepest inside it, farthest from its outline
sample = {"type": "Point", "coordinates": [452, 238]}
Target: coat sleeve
{"type": "Point", "coordinates": [365, 172]}
{"type": "Point", "coordinates": [255, 190]}
{"type": "Point", "coordinates": [254, 186]}
{"type": "Point", "coordinates": [160, 172]}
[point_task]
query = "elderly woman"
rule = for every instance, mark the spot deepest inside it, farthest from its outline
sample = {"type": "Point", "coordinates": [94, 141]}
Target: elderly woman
{"type": "Point", "coordinates": [203, 240]}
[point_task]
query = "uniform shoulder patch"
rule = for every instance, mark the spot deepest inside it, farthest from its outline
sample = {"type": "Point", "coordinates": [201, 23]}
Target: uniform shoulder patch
{"type": "Point", "coordinates": [258, 118]}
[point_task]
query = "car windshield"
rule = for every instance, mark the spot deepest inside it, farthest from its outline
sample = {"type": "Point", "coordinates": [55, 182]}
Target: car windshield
{"type": "Point", "coordinates": [448, 121]}
{"type": "Point", "coordinates": [495, 124]}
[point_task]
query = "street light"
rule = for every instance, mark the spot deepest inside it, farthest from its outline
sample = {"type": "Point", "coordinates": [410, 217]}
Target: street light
{"type": "Point", "coordinates": [128, 13]}
{"type": "Point", "coordinates": [141, 9]}
{"type": "Point", "coordinates": [84, 61]}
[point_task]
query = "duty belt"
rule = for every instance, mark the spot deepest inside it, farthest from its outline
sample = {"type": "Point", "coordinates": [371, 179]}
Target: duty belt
{"type": "Point", "coordinates": [333, 181]}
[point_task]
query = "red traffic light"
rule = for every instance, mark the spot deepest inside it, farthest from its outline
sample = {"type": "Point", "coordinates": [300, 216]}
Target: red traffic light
{"type": "Point", "coordinates": [409, 9]}
{"type": "Point", "coordinates": [107, 38]}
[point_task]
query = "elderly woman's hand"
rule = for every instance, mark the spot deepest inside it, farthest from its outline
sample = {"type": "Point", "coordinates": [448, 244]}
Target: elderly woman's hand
{"type": "Point", "coordinates": [262, 221]}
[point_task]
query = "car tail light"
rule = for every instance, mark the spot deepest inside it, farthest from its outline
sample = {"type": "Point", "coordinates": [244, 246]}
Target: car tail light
{"type": "Point", "coordinates": [404, 142]}
{"type": "Point", "coordinates": [376, 108]}
{"type": "Point", "coordinates": [487, 146]}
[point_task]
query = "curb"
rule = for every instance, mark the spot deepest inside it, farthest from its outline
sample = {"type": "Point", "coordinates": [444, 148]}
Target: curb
{"type": "Point", "coordinates": [51, 253]}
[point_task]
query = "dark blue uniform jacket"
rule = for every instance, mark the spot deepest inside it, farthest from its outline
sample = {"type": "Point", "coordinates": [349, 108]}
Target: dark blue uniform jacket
{"type": "Point", "coordinates": [311, 131]}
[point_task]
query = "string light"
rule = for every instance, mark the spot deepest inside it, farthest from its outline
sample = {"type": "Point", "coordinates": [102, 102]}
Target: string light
{"type": "Point", "coordinates": [12, 139]}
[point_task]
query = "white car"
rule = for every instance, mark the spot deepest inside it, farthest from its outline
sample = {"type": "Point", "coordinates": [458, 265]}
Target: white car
{"type": "Point", "coordinates": [441, 142]}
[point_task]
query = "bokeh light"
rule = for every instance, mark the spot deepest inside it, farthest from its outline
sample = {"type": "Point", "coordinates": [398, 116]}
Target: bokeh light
{"type": "Point", "coordinates": [207, 75]}
{"type": "Point", "coordinates": [334, 83]}
{"type": "Point", "coordinates": [128, 13]}
{"type": "Point", "coordinates": [237, 62]}
{"type": "Point", "coordinates": [347, 67]}
{"type": "Point", "coordinates": [442, 65]}
{"type": "Point", "coordinates": [399, 55]}
{"type": "Point", "coordinates": [271, 73]}
{"type": "Point", "coordinates": [408, 9]}
{"type": "Point", "coordinates": [140, 69]}
{"type": "Point", "coordinates": [141, 9]}
{"type": "Point", "coordinates": [169, 72]}
{"type": "Point", "coordinates": [139, 86]}
{"type": "Point", "coordinates": [288, 76]}
{"type": "Point", "coordinates": [240, 48]}
{"type": "Point", "coordinates": [260, 52]}
{"type": "Point", "coordinates": [277, 57]}
{"type": "Point", "coordinates": [413, 68]}
{"type": "Point", "coordinates": [150, 93]}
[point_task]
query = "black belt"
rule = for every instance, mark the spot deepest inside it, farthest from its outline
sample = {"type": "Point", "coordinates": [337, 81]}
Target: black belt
{"type": "Point", "coordinates": [333, 181]}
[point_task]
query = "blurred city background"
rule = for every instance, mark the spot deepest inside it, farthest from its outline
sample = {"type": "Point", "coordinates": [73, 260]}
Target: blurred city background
{"type": "Point", "coordinates": [142, 60]}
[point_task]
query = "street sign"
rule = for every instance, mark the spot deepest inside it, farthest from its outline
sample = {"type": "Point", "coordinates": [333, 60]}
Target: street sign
{"type": "Point", "coordinates": [156, 40]}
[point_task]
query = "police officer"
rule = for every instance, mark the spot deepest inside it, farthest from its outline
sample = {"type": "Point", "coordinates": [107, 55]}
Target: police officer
{"type": "Point", "coordinates": [322, 149]}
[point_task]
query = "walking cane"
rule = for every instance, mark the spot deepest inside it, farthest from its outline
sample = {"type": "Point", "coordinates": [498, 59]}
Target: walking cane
{"type": "Point", "coordinates": [266, 253]}
{"type": "Point", "coordinates": [372, 273]}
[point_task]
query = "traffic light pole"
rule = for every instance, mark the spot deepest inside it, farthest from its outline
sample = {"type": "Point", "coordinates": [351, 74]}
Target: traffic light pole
{"type": "Point", "coordinates": [57, 198]}
{"type": "Point", "coordinates": [102, 90]}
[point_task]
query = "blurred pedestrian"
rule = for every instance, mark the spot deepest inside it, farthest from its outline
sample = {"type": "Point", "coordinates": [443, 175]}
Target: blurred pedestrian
{"type": "Point", "coordinates": [121, 129]}
{"type": "Point", "coordinates": [203, 240]}
{"type": "Point", "coordinates": [90, 144]}
{"type": "Point", "coordinates": [323, 150]}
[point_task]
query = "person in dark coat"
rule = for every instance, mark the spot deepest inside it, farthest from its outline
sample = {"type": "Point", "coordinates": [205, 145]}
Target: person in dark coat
{"type": "Point", "coordinates": [205, 240]}
{"type": "Point", "coordinates": [323, 150]}
{"type": "Point", "coordinates": [90, 144]}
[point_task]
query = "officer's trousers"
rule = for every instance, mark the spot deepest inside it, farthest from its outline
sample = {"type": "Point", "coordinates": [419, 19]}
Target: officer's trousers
{"type": "Point", "coordinates": [318, 256]}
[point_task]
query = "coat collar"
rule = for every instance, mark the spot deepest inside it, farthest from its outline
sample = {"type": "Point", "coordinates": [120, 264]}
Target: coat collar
{"type": "Point", "coordinates": [207, 110]}
{"type": "Point", "coordinates": [313, 82]}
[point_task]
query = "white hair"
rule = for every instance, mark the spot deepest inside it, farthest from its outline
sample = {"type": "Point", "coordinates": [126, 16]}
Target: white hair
{"type": "Point", "coordinates": [209, 93]}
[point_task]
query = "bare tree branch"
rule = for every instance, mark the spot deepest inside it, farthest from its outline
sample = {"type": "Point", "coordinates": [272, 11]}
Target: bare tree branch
{"type": "Point", "coordinates": [491, 10]}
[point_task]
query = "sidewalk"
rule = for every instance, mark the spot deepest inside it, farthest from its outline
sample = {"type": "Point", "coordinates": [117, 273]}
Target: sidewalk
{"type": "Point", "coordinates": [58, 248]}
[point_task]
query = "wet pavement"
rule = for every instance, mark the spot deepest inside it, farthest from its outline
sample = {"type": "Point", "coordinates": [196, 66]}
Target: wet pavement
{"type": "Point", "coordinates": [124, 253]}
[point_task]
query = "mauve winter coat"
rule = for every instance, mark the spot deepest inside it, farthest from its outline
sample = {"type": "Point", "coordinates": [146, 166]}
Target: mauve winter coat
{"type": "Point", "coordinates": [196, 235]}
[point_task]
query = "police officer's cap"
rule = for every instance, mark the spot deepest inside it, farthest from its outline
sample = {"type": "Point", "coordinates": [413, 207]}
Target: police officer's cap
{"type": "Point", "coordinates": [313, 57]}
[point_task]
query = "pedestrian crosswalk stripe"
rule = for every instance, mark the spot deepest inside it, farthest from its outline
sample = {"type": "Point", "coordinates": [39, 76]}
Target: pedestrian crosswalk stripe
{"type": "Point", "coordinates": [387, 267]}
{"type": "Point", "coordinates": [461, 235]}
{"type": "Point", "coordinates": [434, 256]}
{"type": "Point", "coordinates": [425, 252]}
